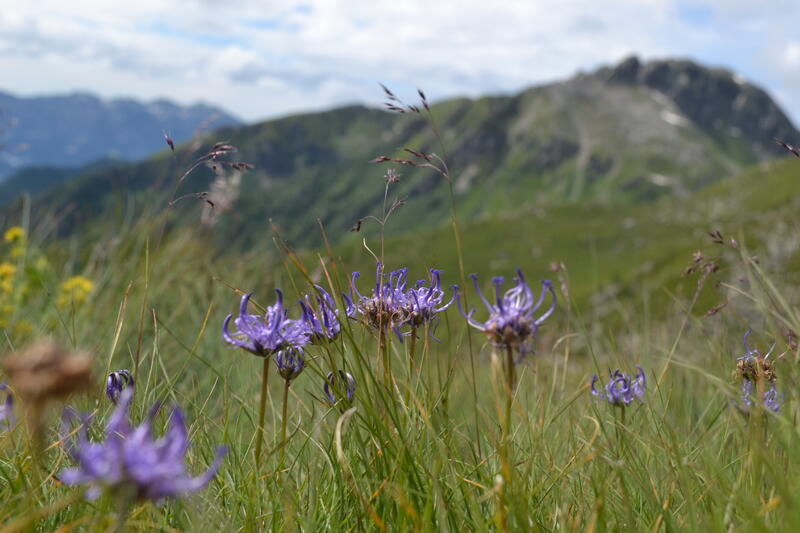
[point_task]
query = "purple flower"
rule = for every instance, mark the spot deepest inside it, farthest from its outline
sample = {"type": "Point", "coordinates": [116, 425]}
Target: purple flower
{"type": "Point", "coordinates": [130, 461]}
{"type": "Point", "coordinates": [387, 307]}
{"type": "Point", "coordinates": [752, 365]}
{"type": "Point", "coordinates": [116, 382]}
{"type": "Point", "coordinates": [343, 382]}
{"type": "Point", "coordinates": [290, 362]}
{"type": "Point", "coordinates": [425, 303]}
{"type": "Point", "coordinates": [268, 334]}
{"type": "Point", "coordinates": [771, 400]}
{"type": "Point", "coordinates": [512, 322]}
{"type": "Point", "coordinates": [322, 323]}
{"type": "Point", "coordinates": [622, 388]}
{"type": "Point", "coordinates": [7, 418]}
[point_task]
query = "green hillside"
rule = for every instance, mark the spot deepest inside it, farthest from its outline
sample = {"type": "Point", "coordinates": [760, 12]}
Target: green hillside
{"type": "Point", "coordinates": [621, 136]}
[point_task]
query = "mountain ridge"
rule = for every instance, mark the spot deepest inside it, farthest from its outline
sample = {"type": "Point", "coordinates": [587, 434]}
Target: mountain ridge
{"type": "Point", "coordinates": [595, 138]}
{"type": "Point", "coordinates": [79, 128]}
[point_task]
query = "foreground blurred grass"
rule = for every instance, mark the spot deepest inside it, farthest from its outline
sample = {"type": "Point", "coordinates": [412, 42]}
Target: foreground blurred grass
{"type": "Point", "coordinates": [412, 458]}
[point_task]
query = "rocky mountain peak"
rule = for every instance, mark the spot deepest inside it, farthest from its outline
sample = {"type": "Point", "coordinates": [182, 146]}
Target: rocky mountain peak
{"type": "Point", "coordinates": [715, 99]}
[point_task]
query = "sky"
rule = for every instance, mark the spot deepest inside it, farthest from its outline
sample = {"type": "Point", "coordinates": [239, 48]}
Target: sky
{"type": "Point", "coordinates": [262, 59]}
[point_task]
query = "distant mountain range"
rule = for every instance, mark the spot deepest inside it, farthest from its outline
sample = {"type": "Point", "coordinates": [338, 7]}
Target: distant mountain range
{"type": "Point", "coordinates": [622, 135]}
{"type": "Point", "coordinates": [78, 129]}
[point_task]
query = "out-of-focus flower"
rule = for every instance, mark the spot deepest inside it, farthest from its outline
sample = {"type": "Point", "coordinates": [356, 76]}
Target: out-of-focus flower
{"type": "Point", "coordinates": [622, 388]}
{"type": "Point", "coordinates": [130, 462]}
{"type": "Point", "coordinates": [74, 291]}
{"type": "Point", "coordinates": [116, 382]}
{"type": "Point", "coordinates": [323, 322]}
{"type": "Point", "coordinates": [268, 334]}
{"type": "Point", "coordinates": [7, 271]}
{"type": "Point", "coordinates": [45, 370]}
{"type": "Point", "coordinates": [425, 303]}
{"type": "Point", "coordinates": [340, 382]}
{"type": "Point", "coordinates": [771, 399]}
{"type": "Point", "coordinates": [752, 366]}
{"type": "Point", "coordinates": [512, 323]}
{"type": "Point", "coordinates": [7, 418]}
{"type": "Point", "coordinates": [290, 362]}
{"type": "Point", "coordinates": [15, 235]}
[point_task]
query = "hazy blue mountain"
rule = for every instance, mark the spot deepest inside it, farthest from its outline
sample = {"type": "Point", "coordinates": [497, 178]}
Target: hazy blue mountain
{"type": "Point", "coordinates": [76, 129]}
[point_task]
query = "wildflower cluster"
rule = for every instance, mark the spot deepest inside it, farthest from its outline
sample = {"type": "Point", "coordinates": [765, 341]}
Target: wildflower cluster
{"type": "Point", "coordinates": [392, 305]}
{"type": "Point", "coordinates": [274, 333]}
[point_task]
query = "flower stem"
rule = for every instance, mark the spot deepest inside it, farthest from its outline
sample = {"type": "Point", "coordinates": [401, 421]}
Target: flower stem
{"type": "Point", "coordinates": [262, 410]}
{"type": "Point", "coordinates": [510, 378]}
{"type": "Point", "coordinates": [283, 420]}
{"type": "Point", "coordinates": [506, 437]}
{"type": "Point", "coordinates": [383, 341]}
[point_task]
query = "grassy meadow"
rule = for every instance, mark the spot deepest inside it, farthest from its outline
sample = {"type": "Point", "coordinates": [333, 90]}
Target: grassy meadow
{"type": "Point", "coordinates": [435, 448]}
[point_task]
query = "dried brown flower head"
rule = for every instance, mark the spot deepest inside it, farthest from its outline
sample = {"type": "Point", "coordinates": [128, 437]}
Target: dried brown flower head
{"type": "Point", "coordinates": [45, 370]}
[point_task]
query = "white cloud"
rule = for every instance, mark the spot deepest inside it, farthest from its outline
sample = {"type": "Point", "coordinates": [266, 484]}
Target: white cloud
{"type": "Point", "coordinates": [265, 58]}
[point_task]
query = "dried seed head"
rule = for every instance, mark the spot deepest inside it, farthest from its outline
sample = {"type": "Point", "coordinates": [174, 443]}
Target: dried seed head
{"type": "Point", "coordinates": [44, 370]}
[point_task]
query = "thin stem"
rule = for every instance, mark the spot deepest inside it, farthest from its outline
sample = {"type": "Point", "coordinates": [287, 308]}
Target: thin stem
{"type": "Point", "coordinates": [506, 437]}
{"type": "Point", "coordinates": [411, 351]}
{"type": "Point", "coordinates": [411, 365]}
{"type": "Point", "coordinates": [385, 358]}
{"type": "Point", "coordinates": [262, 410]}
{"type": "Point", "coordinates": [124, 500]}
{"type": "Point", "coordinates": [283, 420]}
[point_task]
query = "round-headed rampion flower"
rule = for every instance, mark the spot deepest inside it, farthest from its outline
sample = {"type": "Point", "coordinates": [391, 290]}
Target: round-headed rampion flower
{"type": "Point", "coordinates": [7, 418]}
{"type": "Point", "coordinates": [268, 334]}
{"type": "Point", "coordinates": [622, 388]}
{"type": "Point", "coordinates": [130, 462]}
{"type": "Point", "coordinates": [116, 382]}
{"type": "Point", "coordinates": [423, 303]}
{"type": "Point", "coordinates": [290, 362]}
{"type": "Point", "coordinates": [771, 400]}
{"type": "Point", "coordinates": [752, 365]}
{"type": "Point", "coordinates": [387, 307]}
{"type": "Point", "coordinates": [344, 382]}
{"type": "Point", "coordinates": [511, 323]}
{"type": "Point", "coordinates": [323, 323]}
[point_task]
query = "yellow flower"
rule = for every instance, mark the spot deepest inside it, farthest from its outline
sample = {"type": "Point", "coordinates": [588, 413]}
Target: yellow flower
{"type": "Point", "coordinates": [74, 291]}
{"type": "Point", "coordinates": [7, 271]}
{"type": "Point", "coordinates": [6, 286]}
{"type": "Point", "coordinates": [17, 252]}
{"type": "Point", "coordinates": [15, 235]}
{"type": "Point", "coordinates": [23, 328]}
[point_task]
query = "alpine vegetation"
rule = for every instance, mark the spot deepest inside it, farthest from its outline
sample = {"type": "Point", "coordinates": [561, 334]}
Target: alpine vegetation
{"type": "Point", "coordinates": [130, 463]}
{"type": "Point", "coordinates": [622, 389]}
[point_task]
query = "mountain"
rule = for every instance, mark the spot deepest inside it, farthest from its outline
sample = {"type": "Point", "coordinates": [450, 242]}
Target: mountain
{"type": "Point", "coordinates": [622, 135]}
{"type": "Point", "coordinates": [73, 130]}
